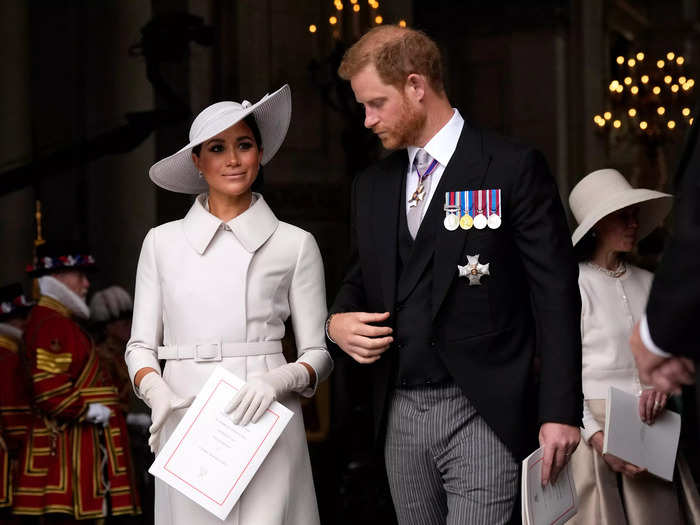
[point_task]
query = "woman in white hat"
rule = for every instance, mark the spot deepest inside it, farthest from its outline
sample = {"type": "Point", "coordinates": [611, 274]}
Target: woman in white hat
{"type": "Point", "coordinates": [611, 217]}
{"type": "Point", "coordinates": [214, 289]}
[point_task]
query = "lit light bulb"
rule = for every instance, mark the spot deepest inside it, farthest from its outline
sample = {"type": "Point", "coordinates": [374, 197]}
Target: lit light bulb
{"type": "Point", "coordinates": [378, 19]}
{"type": "Point", "coordinates": [628, 81]}
{"type": "Point", "coordinates": [640, 56]}
{"type": "Point", "coordinates": [674, 88]}
{"type": "Point", "coordinates": [631, 62]}
{"type": "Point", "coordinates": [607, 115]}
{"type": "Point", "coordinates": [620, 60]}
{"type": "Point", "coordinates": [690, 121]}
{"type": "Point", "coordinates": [660, 64]}
{"type": "Point", "coordinates": [597, 119]}
{"type": "Point", "coordinates": [632, 112]}
{"type": "Point", "coordinates": [691, 82]}
{"type": "Point", "coordinates": [680, 61]}
{"type": "Point", "coordinates": [670, 55]}
{"type": "Point", "coordinates": [617, 123]}
{"type": "Point", "coordinates": [402, 23]}
{"type": "Point", "coordinates": [656, 90]}
{"type": "Point", "coordinates": [634, 90]}
{"type": "Point", "coordinates": [312, 28]}
{"type": "Point", "coordinates": [356, 8]}
{"type": "Point", "coordinates": [619, 88]}
{"type": "Point", "coordinates": [661, 110]}
{"type": "Point", "coordinates": [671, 124]}
{"type": "Point", "coordinates": [643, 124]}
{"type": "Point", "coordinates": [682, 80]}
{"type": "Point", "coordinates": [645, 79]}
{"type": "Point", "coordinates": [668, 79]}
{"type": "Point", "coordinates": [333, 20]}
{"type": "Point", "coordinates": [686, 112]}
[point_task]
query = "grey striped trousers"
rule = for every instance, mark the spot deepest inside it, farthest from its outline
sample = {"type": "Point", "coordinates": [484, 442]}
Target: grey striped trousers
{"type": "Point", "coordinates": [444, 463]}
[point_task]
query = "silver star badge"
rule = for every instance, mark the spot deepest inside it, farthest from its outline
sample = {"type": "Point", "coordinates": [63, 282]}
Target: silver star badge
{"type": "Point", "coordinates": [473, 270]}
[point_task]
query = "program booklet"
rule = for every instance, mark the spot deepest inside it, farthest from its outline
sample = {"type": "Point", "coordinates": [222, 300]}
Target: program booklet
{"type": "Point", "coordinates": [554, 504]}
{"type": "Point", "coordinates": [652, 447]}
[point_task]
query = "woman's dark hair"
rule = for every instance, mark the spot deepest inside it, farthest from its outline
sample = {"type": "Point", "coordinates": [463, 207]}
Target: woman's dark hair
{"type": "Point", "coordinates": [585, 247]}
{"type": "Point", "coordinates": [259, 182]}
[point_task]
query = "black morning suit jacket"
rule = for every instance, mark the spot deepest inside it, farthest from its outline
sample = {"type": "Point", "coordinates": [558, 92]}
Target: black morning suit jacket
{"type": "Point", "coordinates": [487, 335]}
{"type": "Point", "coordinates": [673, 308]}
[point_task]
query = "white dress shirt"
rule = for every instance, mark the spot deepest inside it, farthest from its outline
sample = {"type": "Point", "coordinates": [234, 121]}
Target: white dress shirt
{"type": "Point", "coordinates": [440, 147]}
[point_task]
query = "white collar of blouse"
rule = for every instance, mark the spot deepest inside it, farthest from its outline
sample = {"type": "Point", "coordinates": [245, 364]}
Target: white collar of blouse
{"type": "Point", "coordinates": [252, 228]}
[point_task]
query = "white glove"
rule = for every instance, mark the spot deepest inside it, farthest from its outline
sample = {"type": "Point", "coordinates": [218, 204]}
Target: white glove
{"type": "Point", "coordinates": [162, 401]}
{"type": "Point", "coordinates": [256, 396]}
{"type": "Point", "coordinates": [98, 414]}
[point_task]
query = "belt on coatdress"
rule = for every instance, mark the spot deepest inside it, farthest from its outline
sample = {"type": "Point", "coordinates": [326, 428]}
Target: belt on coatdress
{"type": "Point", "coordinates": [217, 350]}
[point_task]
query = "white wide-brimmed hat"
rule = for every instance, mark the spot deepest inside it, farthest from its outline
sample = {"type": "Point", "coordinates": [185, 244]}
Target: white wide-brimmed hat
{"type": "Point", "coordinates": [272, 114]}
{"type": "Point", "coordinates": [605, 191]}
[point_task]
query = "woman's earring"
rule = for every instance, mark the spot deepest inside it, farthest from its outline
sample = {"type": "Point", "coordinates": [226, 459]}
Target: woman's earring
{"type": "Point", "coordinates": [201, 175]}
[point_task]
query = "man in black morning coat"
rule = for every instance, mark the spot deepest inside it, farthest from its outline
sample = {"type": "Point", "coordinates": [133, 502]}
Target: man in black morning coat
{"type": "Point", "coordinates": [450, 340]}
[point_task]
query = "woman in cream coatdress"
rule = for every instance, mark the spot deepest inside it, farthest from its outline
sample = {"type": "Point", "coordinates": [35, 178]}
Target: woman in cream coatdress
{"type": "Point", "coordinates": [206, 286]}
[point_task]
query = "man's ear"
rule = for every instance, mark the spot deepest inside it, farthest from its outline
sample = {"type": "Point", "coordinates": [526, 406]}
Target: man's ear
{"type": "Point", "coordinates": [415, 86]}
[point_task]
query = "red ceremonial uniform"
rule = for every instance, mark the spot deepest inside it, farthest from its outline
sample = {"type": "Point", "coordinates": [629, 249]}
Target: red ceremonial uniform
{"type": "Point", "coordinates": [61, 465]}
{"type": "Point", "coordinates": [15, 414]}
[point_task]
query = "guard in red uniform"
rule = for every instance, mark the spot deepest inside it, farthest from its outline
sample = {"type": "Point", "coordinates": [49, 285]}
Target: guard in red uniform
{"type": "Point", "coordinates": [76, 459]}
{"type": "Point", "coordinates": [15, 390]}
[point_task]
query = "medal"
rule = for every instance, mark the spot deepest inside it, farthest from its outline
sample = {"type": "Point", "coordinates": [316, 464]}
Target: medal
{"type": "Point", "coordinates": [494, 207]}
{"type": "Point", "coordinates": [473, 270]}
{"type": "Point", "coordinates": [451, 208]}
{"type": "Point", "coordinates": [451, 222]}
{"type": "Point", "coordinates": [420, 189]}
{"type": "Point", "coordinates": [480, 220]}
{"type": "Point", "coordinates": [466, 221]}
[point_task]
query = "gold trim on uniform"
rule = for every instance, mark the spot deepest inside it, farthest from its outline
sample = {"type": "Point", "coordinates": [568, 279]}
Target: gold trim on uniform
{"type": "Point", "coordinates": [53, 363]}
{"type": "Point", "coordinates": [8, 343]}
{"type": "Point", "coordinates": [49, 302]}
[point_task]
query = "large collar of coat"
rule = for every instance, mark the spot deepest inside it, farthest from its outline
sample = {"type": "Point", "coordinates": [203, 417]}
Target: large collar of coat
{"type": "Point", "coordinates": [252, 228]}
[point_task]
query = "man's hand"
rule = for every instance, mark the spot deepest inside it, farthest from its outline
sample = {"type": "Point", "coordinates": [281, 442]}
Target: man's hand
{"type": "Point", "coordinates": [651, 404]}
{"type": "Point", "coordinates": [559, 442]}
{"type": "Point", "coordinates": [664, 374]}
{"type": "Point", "coordinates": [615, 463]}
{"type": "Point", "coordinates": [356, 337]}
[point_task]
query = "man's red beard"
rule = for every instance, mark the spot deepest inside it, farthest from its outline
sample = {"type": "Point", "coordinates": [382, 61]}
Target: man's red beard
{"type": "Point", "coordinates": [407, 129]}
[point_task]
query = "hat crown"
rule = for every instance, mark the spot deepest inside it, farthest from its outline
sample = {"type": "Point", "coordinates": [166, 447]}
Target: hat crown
{"type": "Point", "coordinates": [594, 188]}
{"type": "Point", "coordinates": [211, 117]}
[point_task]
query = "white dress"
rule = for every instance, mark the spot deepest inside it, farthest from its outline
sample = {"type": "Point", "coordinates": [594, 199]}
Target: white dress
{"type": "Point", "coordinates": [201, 281]}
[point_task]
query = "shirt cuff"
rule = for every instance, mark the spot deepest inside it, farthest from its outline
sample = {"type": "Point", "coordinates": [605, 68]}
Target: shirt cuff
{"type": "Point", "coordinates": [647, 340]}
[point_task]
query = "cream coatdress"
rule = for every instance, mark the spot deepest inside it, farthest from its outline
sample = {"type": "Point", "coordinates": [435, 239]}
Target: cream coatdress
{"type": "Point", "coordinates": [202, 281]}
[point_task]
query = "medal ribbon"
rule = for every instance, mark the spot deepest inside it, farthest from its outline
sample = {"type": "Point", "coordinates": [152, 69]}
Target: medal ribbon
{"type": "Point", "coordinates": [495, 202]}
{"type": "Point", "coordinates": [462, 202]}
{"type": "Point", "coordinates": [427, 172]}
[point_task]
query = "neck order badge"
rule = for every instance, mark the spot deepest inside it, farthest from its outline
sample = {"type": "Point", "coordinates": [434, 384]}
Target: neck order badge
{"type": "Point", "coordinates": [473, 208]}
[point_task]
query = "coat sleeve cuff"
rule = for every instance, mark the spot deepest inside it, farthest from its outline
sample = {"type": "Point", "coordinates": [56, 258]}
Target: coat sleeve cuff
{"type": "Point", "coordinates": [138, 359]}
{"type": "Point", "coordinates": [320, 360]}
{"type": "Point", "coordinates": [645, 334]}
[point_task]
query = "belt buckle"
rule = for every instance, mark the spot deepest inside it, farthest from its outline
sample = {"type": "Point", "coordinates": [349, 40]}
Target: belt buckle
{"type": "Point", "coordinates": [208, 356]}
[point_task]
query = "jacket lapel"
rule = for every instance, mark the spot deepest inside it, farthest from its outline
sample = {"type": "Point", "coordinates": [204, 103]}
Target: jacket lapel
{"type": "Point", "coordinates": [466, 171]}
{"type": "Point", "coordinates": [386, 197]}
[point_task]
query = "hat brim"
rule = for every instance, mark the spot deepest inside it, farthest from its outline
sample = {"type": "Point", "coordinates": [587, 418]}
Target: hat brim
{"type": "Point", "coordinates": [272, 114]}
{"type": "Point", "coordinates": [85, 268]}
{"type": "Point", "coordinates": [654, 207]}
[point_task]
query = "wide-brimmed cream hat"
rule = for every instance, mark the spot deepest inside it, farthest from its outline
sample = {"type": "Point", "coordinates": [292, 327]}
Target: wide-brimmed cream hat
{"type": "Point", "coordinates": [602, 192]}
{"type": "Point", "coordinates": [272, 114]}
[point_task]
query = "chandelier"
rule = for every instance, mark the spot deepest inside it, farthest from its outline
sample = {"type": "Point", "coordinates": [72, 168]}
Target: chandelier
{"type": "Point", "coordinates": [648, 100]}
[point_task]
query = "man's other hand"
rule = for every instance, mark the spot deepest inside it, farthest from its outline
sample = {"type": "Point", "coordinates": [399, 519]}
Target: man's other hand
{"type": "Point", "coordinates": [354, 334]}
